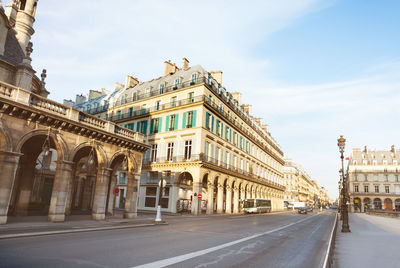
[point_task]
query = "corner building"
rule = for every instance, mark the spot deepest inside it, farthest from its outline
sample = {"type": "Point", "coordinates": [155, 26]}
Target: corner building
{"type": "Point", "coordinates": [203, 141]}
{"type": "Point", "coordinates": [374, 180]}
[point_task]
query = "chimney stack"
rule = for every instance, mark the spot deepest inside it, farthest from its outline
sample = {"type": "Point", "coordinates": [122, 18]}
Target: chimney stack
{"type": "Point", "coordinates": [185, 64]}
{"type": "Point", "coordinates": [265, 127]}
{"type": "Point", "coordinates": [392, 149]}
{"type": "Point", "coordinates": [258, 120]}
{"type": "Point", "coordinates": [170, 68]}
{"type": "Point", "coordinates": [217, 75]}
{"type": "Point", "coordinates": [365, 149]}
{"type": "Point", "coordinates": [246, 108]}
{"type": "Point", "coordinates": [238, 97]}
{"type": "Point", "coordinates": [131, 81]}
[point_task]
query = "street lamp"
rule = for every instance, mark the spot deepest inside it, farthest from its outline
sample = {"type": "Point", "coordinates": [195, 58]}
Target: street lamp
{"type": "Point", "coordinates": [345, 215]}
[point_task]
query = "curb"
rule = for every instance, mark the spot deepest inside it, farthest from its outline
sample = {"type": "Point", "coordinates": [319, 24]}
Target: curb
{"type": "Point", "coordinates": [32, 234]}
{"type": "Point", "coordinates": [328, 262]}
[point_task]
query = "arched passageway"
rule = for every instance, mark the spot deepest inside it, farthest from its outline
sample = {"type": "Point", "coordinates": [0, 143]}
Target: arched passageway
{"type": "Point", "coordinates": [377, 203]}
{"type": "Point", "coordinates": [357, 204]}
{"type": "Point", "coordinates": [397, 204]}
{"type": "Point", "coordinates": [185, 193]}
{"type": "Point", "coordinates": [388, 204]}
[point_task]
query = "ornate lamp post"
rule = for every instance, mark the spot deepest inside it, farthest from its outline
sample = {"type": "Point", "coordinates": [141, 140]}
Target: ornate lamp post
{"type": "Point", "coordinates": [345, 215]}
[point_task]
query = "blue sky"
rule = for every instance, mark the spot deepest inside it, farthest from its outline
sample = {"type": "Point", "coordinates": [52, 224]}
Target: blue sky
{"type": "Point", "coordinates": [312, 69]}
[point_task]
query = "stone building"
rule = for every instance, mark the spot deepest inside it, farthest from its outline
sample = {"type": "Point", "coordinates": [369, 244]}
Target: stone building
{"type": "Point", "coordinates": [203, 140]}
{"type": "Point", "coordinates": [300, 187]}
{"type": "Point", "coordinates": [374, 179]}
{"type": "Point", "coordinates": [55, 160]}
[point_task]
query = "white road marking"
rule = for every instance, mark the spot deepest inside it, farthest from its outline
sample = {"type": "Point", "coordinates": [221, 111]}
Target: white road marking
{"type": "Point", "coordinates": [184, 257]}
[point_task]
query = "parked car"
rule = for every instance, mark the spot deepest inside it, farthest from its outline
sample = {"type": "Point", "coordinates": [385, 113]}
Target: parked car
{"type": "Point", "coordinates": [302, 210]}
{"type": "Point", "coordinates": [309, 209]}
{"type": "Point", "coordinates": [333, 207]}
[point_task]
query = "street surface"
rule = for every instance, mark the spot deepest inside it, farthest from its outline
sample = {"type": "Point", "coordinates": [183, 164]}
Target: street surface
{"type": "Point", "coordinates": [271, 240]}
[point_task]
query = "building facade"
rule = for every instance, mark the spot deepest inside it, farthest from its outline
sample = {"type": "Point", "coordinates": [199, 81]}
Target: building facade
{"type": "Point", "coordinates": [301, 188]}
{"type": "Point", "coordinates": [55, 160]}
{"type": "Point", "coordinates": [203, 141]}
{"type": "Point", "coordinates": [374, 180]}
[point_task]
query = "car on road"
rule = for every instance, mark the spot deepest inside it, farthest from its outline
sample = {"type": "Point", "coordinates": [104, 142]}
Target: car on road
{"type": "Point", "coordinates": [302, 210]}
{"type": "Point", "coordinates": [309, 209]}
{"type": "Point", "coordinates": [333, 207]}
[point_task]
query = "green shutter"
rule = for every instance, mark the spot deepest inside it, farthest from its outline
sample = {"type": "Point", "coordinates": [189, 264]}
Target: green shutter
{"type": "Point", "coordinates": [176, 122]}
{"type": "Point", "coordinates": [194, 119]}
{"type": "Point", "coordinates": [207, 120]}
{"type": "Point", "coordinates": [184, 121]}
{"type": "Point", "coordinates": [212, 123]}
{"type": "Point", "coordinates": [151, 126]}
{"type": "Point", "coordinates": [230, 135]}
{"type": "Point", "coordinates": [166, 123]}
{"type": "Point", "coordinates": [126, 126]}
{"type": "Point", "coordinates": [222, 129]}
{"type": "Point", "coordinates": [159, 124]}
{"type": "Point", "coordinates": [216, 126]}
{"type": "Point", "coordinates": [137, 126]}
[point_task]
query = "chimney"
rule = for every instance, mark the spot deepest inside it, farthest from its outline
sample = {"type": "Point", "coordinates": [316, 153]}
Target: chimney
{"type": "Point", "coordinates": [238, 97]}
{"type": "Point", "coordinates": [118, 86]}
{"type": "Point", "coordinates": [365, 149]}
{"type": "Point", "coordinates": [94, 94]}
{"type": "Point", "coordinates": [131, 81]}
{"type": "Point", "coordinates": [265, 128]}
{"type": "Point", "coordinates": [217, 75]}
{"type": "Point", "coordinates": [246, 108]}
{"type": "Point", "coordinates": [185, 64]}
{"type": "Point", "coordinates": [258, 120]}
{"type": "Point", "coordinates": [392, 149]}
{"type": "Point", "coordinates": [80, 99]}
{"type": "Point", "coordinates": [170, 68]}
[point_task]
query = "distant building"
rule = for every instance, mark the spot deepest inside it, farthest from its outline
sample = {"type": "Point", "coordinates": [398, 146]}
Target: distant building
{"type": "Point", "coordinates": [374, 180]}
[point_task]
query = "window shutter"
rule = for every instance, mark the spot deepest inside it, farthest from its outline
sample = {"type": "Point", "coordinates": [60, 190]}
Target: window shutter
{"type": "Point", "coordinates": [166, 123]}
{"type": "Point", "coordinates": [184, 121]}
{"type": "Point", "coordinates": [230, 135]}
{"type": "Point", "coordinates": [216, 126]}
{"type": "Point", "coordinates": [222, 129]}
{"type": "Point", "coordinates": [126, 126]}
{"type": "Point", "coordinates": [176, 122]}
{"type": "Point", "coordinates": [151, 126]}
{"type": "Point", "coordinates": [212, 123]}
{"type": "Point", "coordinates": [194, 119]}
{"type": "Point", "coordinates": [137, 126]}
{"type": "Point", "coordinates": [159, 124]}
{"type": "Point", "coordinates": [145, 127]}
{"type": "Point", "coordinates": [207, 114]}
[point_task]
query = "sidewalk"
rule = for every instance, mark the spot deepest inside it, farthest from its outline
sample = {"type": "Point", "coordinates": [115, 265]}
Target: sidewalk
{"type": "Point", "coordinates": [38, 225]}
{"type": "Point", "coordinates": [373, 242]}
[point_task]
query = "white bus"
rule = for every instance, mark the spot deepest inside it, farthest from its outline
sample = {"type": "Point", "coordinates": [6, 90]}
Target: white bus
{"type": "Point", "coordinates": [256, 205]}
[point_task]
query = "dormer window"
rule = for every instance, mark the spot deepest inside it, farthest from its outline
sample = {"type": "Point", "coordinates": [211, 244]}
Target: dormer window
{"type": "Point", "coordinates": [194, 78]}
{"type": "Point", "coordinates": [177, 82]}
{"type": "Point", "coordinates": [162, 88]}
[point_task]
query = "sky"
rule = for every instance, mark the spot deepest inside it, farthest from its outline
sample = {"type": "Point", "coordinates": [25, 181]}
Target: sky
{"type": "Point", "coordinates": [312, 69]}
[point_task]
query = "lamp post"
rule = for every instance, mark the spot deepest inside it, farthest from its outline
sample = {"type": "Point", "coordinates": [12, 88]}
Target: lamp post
{"type": "Point", "coordinates": [345, 215]}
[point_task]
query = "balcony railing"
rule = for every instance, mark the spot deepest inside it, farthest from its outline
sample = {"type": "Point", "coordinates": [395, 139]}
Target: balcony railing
{"type": "Point", "coordinates": [207, 159]}
{"type": "Point", "coordinates": [211, 84]}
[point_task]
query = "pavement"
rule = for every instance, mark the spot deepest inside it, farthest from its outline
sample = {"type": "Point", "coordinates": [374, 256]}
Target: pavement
{"type": "Point", "coordinates": [373, 242]}
{"type": "Point", "coordinates": [268, 240]}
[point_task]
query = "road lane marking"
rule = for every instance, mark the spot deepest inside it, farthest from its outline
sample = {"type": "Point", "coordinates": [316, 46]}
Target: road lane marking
{"type": "Point", "coordinates": [330, 242]}
{"type": "Point", "coordinates": [184, 257]}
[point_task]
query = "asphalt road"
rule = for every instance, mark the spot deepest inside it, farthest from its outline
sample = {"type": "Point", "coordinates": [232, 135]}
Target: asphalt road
{"type": "Point", "coordinates": [271, 240]}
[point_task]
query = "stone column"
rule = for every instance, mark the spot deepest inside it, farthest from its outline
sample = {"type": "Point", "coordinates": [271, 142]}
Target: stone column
{"type": "Point", "coordinates": [100, 195]}
{"type": "Point", "coordinates": [9, 164]}
{"type": "Point", "coordinates": [236, 200]}
{"type": "Point", "coordinates": [58, 202]}
{"type": "Point", "coordinates": [174, 197]}
{"type": "Point", "coordinates": [210, 198]}
{"type": "Point", "coordinates": [131, 196]}
{"type": "Point", "coordinates": [228, 209]}
{"type": "Point", "coordinates": [196, 209]}
{"type": "Point", "coordinates": [220, 199]}
{"type": "Point", "coordinates": [111, 195]}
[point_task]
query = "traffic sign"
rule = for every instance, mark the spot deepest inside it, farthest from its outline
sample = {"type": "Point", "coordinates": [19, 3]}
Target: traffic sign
{"type": "Point", "coordinates": [116, 190]}
{"type": "Point", "coordinates": [199, 196]}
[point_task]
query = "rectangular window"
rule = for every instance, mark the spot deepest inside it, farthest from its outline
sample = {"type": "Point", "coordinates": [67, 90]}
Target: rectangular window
{"type": "Point", "coordinates": [376, 189]}
{"type": "Point", "coordinates": [171, 122]}
{"type": "Point", "coordinates": [207, 120]}
{"type": "Point", "coordinates": [191, 97]}
{"type": "Point", "coordinates": [356, 188]}
{"type": "Point", "coordinates": [188, 149]}
{"type": "Point", "coordinates": [397, 178]}
{"type": "Point", "coordinates": [170, 151]}
{"type": "Point", "coordinates": [161, 88]}
{"type": "Point", "coordinates": [365, 188]}
{"type": "Point", "coordinates": [194, 78]}
{"type": "Point", "coordinates": [151, 193]}
{"type": "Point", "coordinates": [143, 109]}
{"type": "Point", "coordinates": [119, 115]}
{"type": "Point", "coordinates": [130, 112]}
{"type": "Point", "coordinates": [173, 101]}
{"type": "Point", "coordinates": [158, 105]}
{"type": "Point", "coordinates": [387, 189]}
{"type": "Point", "coordinates": [156, 123]}
{"type": "Point", "coordinates": [189, 122]}
{"type": "Point", "coordinates": [154, 153]}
